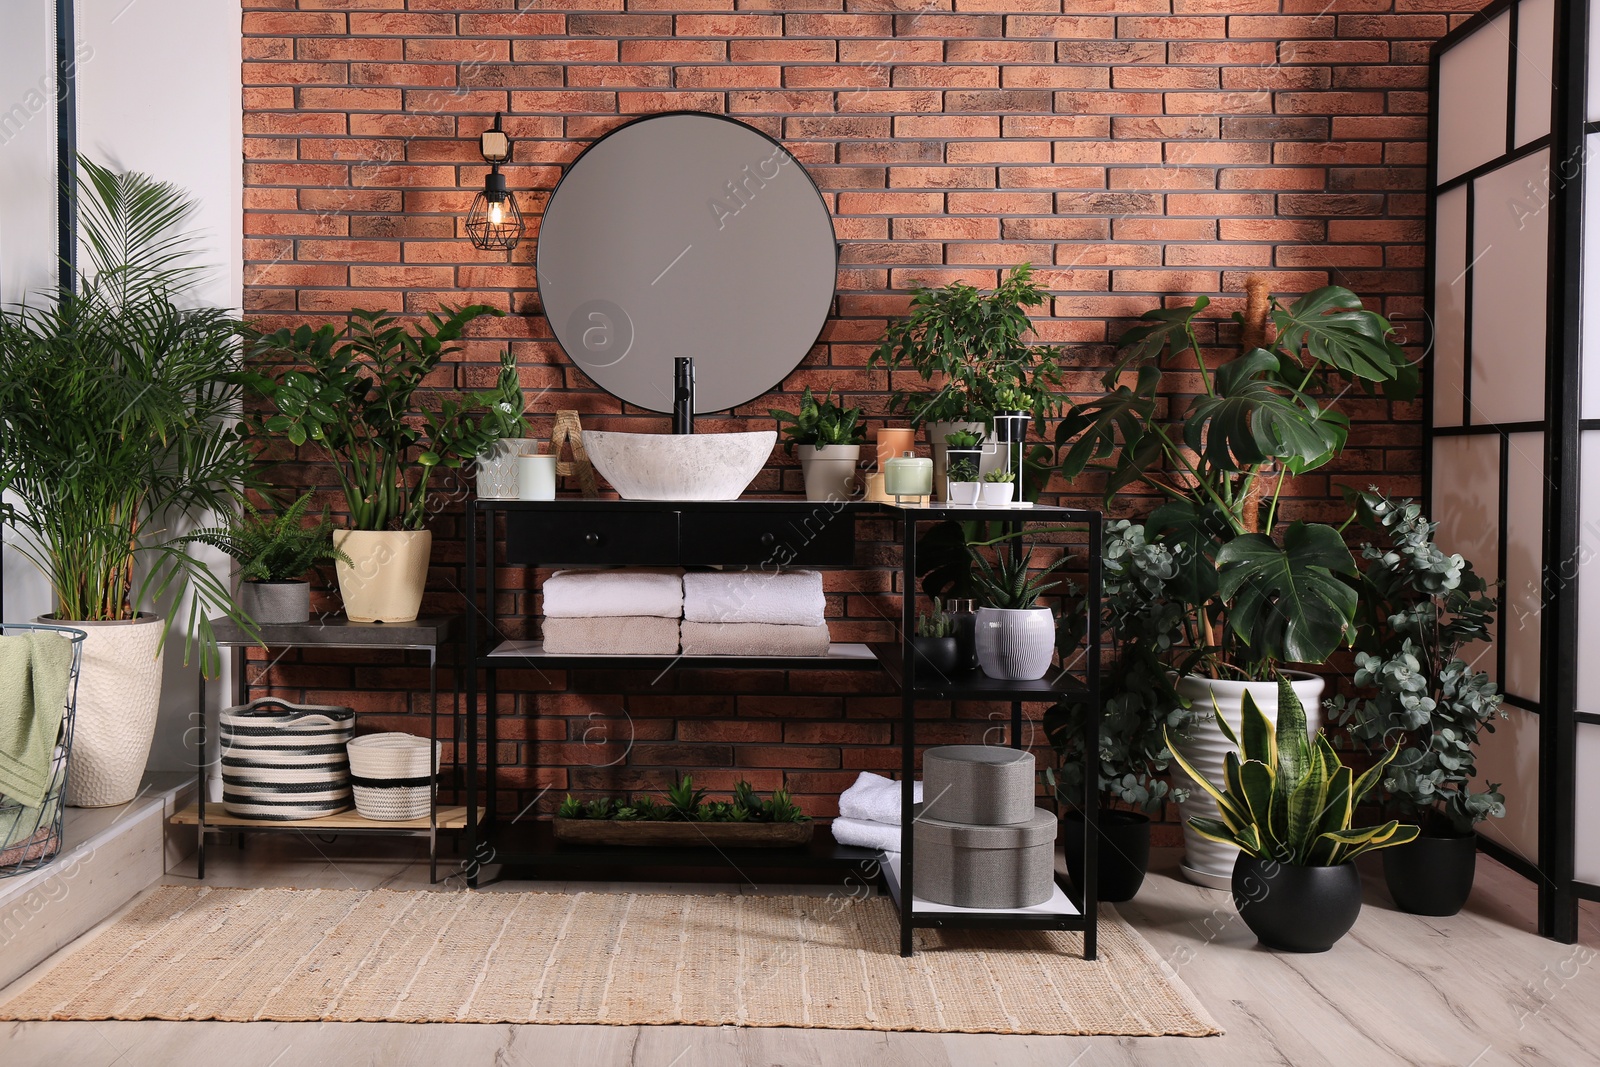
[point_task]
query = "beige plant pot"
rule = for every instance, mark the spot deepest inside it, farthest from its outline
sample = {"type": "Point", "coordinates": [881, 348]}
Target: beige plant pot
{"type": "Point", "coordinates": [119, 693]}
{"type": "Point", "coordinates": [384, 579]}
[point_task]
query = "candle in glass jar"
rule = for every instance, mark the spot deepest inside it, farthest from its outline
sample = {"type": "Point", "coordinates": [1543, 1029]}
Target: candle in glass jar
{"type": "Point", "coordinates": [908, 475]}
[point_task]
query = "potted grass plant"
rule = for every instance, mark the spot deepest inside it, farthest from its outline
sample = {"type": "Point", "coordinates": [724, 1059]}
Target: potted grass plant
{"type": "Point", "coordinates": [1016, 636]}
{"type": "Point", "coordinates": [274, 552]}
{"type": "Point", "coordinates": [353, 392]}
{"type": "Point", "coordinates": [1419, 608]}
{"type": "Point", "coordinates": [1258, 592]}
{"type": "Point", "coordinates": [117, 424]}
{"type": "Point", "coordinates": [1287, 804]}
{"type": "Point", "coordinates": [829, 437]}
{"type": "Point", "coordinates": [971, 350]}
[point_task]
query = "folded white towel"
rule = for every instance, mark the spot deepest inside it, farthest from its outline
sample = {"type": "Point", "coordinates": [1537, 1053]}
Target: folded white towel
{"type": "Point", "coordinates": [876, 798]}
{"type": "Point", "coordinates": [864, 833]}
{"type": "Point", "coordinates": [787, 598]}
{"type": "Point", "coordinates": [611, 594]}
{"type": "Point", "coordinates": [753, 639]}
{"type": "Point", "coordinates": [622, 636]}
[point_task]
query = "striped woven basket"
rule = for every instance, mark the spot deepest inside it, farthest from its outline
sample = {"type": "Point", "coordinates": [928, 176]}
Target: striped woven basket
{"type": "Point", "coordinates": [282, 762]}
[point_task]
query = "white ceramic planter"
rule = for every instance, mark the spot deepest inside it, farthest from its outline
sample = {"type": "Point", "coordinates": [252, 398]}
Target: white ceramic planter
{"type": "Point", "coordinates": [996, 494]}
{"type": "Point", "coordinates": [275, 603]}
{"type": "Point", "coordinates": [1015, 645]}
{"type": "Point", "coordinates": [497, 468]}
{"type": "Point", "coordinates": [1206, 862]}
{"type": "Point", "coordinates": [965, 492]}
{"type": "Point", "coordinates": [119, 692]}
{"type": "Point", "coordinates": [829, 470]}
{"type": "Point", "coordinates": [384, 579]}
{"type": "Point", "coordinates": [935, 432]}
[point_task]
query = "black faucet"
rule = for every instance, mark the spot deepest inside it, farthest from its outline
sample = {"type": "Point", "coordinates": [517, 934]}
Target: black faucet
{"type": "Point", "coordinates": [683, 395]}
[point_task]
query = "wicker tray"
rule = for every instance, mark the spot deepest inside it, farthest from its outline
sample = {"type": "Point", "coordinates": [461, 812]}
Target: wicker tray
{"type": "Point", "coordinates": [687, 834]}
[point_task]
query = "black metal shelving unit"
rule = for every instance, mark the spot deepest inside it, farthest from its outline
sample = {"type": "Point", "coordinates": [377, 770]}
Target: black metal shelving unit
{"type": "Point", "coordinates": [528, 846]}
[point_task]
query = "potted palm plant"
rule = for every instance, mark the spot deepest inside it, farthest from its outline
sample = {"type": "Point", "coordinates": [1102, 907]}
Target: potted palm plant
{"type": "Point", "coordinates": [1257, 592]}
{"type": "Point", "coordinates": [353, 391]}
{"type": "Point", "coordinates": [274, 552]}
{"type": "Point", "coordinates": [1418, 609]}
{"type": "Point", "coordinates": [1016, 636]}
{"type": "Point", "coordinates": [971, 348]}
{"type": "Point", "coordinates": [1141, 617]}
{"type": "Point", "coordinates": [829, 437]}
{"type": "Point", "coordinates": [117, 422]}
{"type": "Point", "coordinates": [1287, 807]}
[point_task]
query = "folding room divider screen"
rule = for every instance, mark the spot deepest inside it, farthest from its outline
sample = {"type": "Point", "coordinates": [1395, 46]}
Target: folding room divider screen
{"type": "Point", "coordinates": [1513, 469]}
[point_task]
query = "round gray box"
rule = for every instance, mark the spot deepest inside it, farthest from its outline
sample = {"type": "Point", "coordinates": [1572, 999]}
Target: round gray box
{"type": "Point", "coordinates": [985, 866]}
{"type": "Point", "coordinates": [979, 785]}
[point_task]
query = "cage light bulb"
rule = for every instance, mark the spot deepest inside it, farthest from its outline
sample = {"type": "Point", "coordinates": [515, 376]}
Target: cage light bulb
{"type": "Point", "coordinates": [494, 213]}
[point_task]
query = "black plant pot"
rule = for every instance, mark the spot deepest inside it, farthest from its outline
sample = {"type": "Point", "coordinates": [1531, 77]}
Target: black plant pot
{"type": "Point", "coordinates": [1433, 874]}
{"type": "Point", "coordinates": [936, 655]}
{"type": "Point", "coordinates": [1296, 909]}
{"type": "Point", "coordinates": [1011, 426]}
{"type": "Point", "coordinates": [1122, 859]}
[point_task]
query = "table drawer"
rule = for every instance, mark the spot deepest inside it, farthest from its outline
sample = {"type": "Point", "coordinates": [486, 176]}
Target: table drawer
{"type": "Point", "coordinates": [815, 535]}
{"type": "Point", "coordinates": [592, 537]}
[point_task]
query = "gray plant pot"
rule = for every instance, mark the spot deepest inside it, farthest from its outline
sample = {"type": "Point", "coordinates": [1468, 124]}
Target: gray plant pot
{"type": "Point", "coordinates": [276, 603]}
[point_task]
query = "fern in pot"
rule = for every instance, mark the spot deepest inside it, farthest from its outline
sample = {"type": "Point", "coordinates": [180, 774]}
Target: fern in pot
{"type": "Point", "coordinates": [273, 553]}
{"type": "Point", "coordinates": [354, 391]}
{"type": "Point", "coordinates": [1016, 636]}
{"type": "Point", "coordinates": [829, 437]}
{"type": "Point", "coordinates": [118, 423]}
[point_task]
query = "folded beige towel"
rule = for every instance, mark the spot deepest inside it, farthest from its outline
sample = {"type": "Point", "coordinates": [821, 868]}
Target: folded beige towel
{"type": "Point", "coordinates": [34, 671]}
{"type": "Point", "coordinates": [634, 635]}
{"type": "Point", "coordinates": [753, 639]}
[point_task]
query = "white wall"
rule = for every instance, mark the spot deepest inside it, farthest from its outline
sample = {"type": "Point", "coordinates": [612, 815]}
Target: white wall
{"type": "Point", "coordinates": [159, 92]}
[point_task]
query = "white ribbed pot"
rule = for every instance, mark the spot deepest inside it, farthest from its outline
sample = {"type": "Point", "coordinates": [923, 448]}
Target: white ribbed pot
{"type": "Point", "coordinates": [829, 470]}
{"type": "Point", "coordinates": [991, 459]}
{"type": "Point", "coordinates": [119, 692]}
{"type": "Point", "coordinates": [1206, 862]}
{"type": "Point", "coordinates": [384, 579]}
{"type": "Point", "coordinates": [1015, 645]}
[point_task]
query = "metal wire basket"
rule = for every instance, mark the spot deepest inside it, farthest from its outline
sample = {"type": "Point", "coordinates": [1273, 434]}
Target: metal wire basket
{"type": "Point", "coordinates": [31, 837]}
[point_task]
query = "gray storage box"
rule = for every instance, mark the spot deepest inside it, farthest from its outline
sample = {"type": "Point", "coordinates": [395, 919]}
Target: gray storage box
{"type": "Point", "coordinates": [985, 866]}
{"type": "Point", "coordinates": [980, 785]}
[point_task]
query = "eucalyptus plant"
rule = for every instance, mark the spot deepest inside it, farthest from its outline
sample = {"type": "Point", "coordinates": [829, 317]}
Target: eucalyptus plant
{"type": "Point", "coordinates": [354, 391]}
{"type": "Point", "coordinates": [1256, 595]}
{"type": "Point", "coordinates": [820, 423]}
{"type": "Point", "coordinates": [118, 416]}
{"type": "Point", "coordinates": [972, 347]}
{"type": "Point", "coordinates": [1419, 608]}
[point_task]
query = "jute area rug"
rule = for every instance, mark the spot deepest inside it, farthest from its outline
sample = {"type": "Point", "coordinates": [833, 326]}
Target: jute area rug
{"type": "Point", "coordinates": [616, 958]}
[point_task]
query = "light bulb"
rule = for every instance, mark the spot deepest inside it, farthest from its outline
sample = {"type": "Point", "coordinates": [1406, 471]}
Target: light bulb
{"type": "Point", "coordinates": [494, 213]}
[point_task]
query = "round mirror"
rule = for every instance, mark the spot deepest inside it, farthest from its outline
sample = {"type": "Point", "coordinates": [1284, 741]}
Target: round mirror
{"type": "Point", "coordinates": [686, 234]}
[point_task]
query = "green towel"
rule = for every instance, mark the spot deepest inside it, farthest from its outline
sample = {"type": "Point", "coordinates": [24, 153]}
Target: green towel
{"type": "Point", "coordinates": [34, 671]}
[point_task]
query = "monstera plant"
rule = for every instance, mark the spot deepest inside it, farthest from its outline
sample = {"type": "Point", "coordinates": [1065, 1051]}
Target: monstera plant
{"type": "Point", "coordinates": [1256, 592]}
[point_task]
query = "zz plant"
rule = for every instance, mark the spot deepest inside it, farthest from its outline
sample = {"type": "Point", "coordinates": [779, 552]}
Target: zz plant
{"type": "Point", "coordinates": [1418, 609]}
{"type": "Point", "coordinates": [353, 390]}
{"type": "Point", "coordinates": [1290, 798]}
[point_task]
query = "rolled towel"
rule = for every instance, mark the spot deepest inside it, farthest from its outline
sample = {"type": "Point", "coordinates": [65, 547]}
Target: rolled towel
{"type": "Point", "coordinates": [785, 598]}
{"type": "Point", "coordinates": [621, 636]}
{"type": "Point", "coordinates": [865, 833]}
{"type": "Point", "coordinates": [876, 798]}
{"type": "Point", "coordinates": [753, 639]}
{"type": "Point", "coordinates": [613, 594]}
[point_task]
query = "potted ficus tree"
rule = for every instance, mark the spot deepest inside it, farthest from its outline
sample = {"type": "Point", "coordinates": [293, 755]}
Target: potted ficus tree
{"type": "Point", "coordinates": [1142, 619]}
{"type": "Point", "coordinates": [274, 552]}
{"type": "Point", "coordinates": [1257, 593]}
{"type": "Point", "coordinates": [353, 390]}
{"type": "Point", "coordinates": [829, 438]}
{"type": "Point", "coordinates": [1286, 804]}
{"type": "Point", "coordinates": [1418, 609]}
{"type": "Point", "coordinates": [971, 349]}
{"type": "Point", "coordinates": [117, 426]}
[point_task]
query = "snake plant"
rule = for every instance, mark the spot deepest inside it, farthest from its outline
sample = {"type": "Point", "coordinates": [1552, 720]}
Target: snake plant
{"type": "Point", "coordinates": [1290, 799]}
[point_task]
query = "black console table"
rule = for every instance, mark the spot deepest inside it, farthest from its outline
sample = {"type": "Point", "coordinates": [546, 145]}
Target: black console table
{"type": "Point", "coordinates": [787, 532]}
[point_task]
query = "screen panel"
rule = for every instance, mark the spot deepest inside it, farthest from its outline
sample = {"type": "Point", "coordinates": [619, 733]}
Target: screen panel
{"type": "Point", "coordinates": [1589, 571]}
{"type": "Point", "coordinates": [1521, 615]}
{"type": "Point", "coordinates": [1591, 292]}
{"type": "Point", "coordinates": [1474, 78]}
{"type": "Point", "coordinates": [1510, 268]}
{"type": "Point", "coordinates": [1510, 758]}
{"type": "Point", "coordinates": [1536, 74]}
{"type": "Point", "coordinates": [1449, 305]}
{"type": "Point", "coordinates": [1588, 801]}
{"type": "Point", "coordinates": [1466, 505]}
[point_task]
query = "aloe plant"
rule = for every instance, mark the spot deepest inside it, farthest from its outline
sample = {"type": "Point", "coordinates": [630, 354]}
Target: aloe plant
{"type": "Point", "coordinates": [1290, 799]}
{"type": "Point", "coordinates": [1005, 582]}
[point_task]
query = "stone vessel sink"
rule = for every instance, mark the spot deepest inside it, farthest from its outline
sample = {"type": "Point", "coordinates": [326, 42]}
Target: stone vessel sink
{"type": "Point", "coordinates": [659, 466]}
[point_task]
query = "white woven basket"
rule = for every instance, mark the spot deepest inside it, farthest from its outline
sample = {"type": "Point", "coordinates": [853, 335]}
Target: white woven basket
{"type": "Point", "coordinates": [392, 775]}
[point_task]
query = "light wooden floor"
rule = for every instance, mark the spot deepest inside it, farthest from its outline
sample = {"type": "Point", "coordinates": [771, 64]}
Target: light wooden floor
{"type": "Point", "coordinates": [1479, 989]}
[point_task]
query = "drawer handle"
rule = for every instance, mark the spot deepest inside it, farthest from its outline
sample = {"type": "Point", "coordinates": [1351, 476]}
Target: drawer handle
{"type": "Point", "coordinates": [768, 539]}
{"type": "Point", "coordinates": [591, 538]}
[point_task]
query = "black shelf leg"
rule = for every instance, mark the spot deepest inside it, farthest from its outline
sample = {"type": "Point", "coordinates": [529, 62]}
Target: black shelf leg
{"type": "Point", "coordinates": [200, 774]}
{"type": "Point", "coordinates": [470, 669]}
{"type": "Point", "coordinates": [433, 787]}
{"type": "Point", "coordinates": [908, 742]}
{"type": "Point", "coordinates": [1091, 746]}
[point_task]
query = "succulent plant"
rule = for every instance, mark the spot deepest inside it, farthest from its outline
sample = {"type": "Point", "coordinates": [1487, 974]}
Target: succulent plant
{"type": "Point", "coordinates": [1005, 582]}
{"type": "Point", "coordinates": [1000, 475]}
{"type": "Point", "coordinates": [937, 624]}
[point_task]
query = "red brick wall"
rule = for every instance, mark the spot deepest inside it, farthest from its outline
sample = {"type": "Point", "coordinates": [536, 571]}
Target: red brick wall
{"type": "Point", "coordinates": [1136, 152]}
